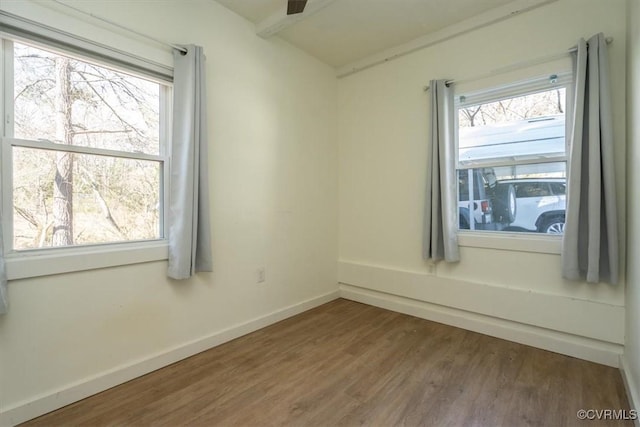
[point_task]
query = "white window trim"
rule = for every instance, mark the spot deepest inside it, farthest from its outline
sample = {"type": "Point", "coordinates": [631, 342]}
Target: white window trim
{"type": "Point", "coordinates": [504, 240]}
{"type": "Point", "coordinates": [510, 241]}
{"type": "Point", "coordinates": [48, 261]}
{"type": "Point", "coordinates": [510, 90]}
{"type": "Point", "coordinates": [21, 28]}
{"type": "Point", "coordinates": [45, 262]}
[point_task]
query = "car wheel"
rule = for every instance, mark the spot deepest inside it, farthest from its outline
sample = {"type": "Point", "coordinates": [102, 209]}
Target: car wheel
{"type": "Point", "coordinates": [504, 203]}
{"type": "Point", "coordinates": [553, 225]}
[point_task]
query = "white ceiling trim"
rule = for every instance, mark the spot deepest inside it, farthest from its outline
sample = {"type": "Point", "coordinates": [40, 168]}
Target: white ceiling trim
{"type": "Point", "coordinates": [279, 21]}
{"type": "Point", "coordinates": [482, 20]}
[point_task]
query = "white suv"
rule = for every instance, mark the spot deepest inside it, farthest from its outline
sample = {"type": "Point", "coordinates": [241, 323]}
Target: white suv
{"type": "Point", "coordinates": [540, 204]}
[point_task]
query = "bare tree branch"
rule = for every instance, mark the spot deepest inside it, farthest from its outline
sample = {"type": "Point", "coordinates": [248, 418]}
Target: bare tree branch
{"type": "Point", "coordinates": [29, 86]}
{"type": "Point", "coordinates": [28, 216]}
{"type": "Point", "coordinates": [471, 115]}
{"type": "Point", "coordinates": [122, 120]}
{"type": "Point", "coordinates": [559, 98]}
{"type": "Point", "coordinates": [43, 234]}
{"type": "Point", "coordinates": [90, 180]}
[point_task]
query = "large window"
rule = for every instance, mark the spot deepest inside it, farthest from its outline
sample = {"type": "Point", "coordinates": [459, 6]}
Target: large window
{"type": "Point", "coordinates": [511, 158]}
{"type": "Point", "coordinates": [84, 151]}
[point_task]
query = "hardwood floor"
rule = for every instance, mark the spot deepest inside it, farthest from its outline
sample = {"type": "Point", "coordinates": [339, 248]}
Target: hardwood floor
{"type": "Point", "coordinates": [346, 363]}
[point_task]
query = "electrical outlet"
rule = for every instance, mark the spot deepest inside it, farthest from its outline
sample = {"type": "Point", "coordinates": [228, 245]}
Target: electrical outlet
{"type": "Point", "coordinates": [262, 275]}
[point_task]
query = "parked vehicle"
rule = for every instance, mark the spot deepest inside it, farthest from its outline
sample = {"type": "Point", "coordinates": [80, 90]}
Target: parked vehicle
{"type": "Point", "coordinates": [530, 147]}
{"type": "Point", "coordinates": [477, 214]}
{"type": "Point", "coordinates": [503, 199]}
{"type": "Point", "coordinates": [540, 204]}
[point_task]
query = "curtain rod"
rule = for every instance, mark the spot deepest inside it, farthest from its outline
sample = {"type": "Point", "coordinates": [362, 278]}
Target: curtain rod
{"type": "Point", "coordinates": [518, 65]}
{"type": "Point", "coordinates": [122, 27]}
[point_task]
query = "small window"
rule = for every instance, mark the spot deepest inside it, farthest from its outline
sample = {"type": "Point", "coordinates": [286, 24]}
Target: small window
{"type": "Point", "coordinates": [84, 156]}
{"type": "Point", "coordinates": [511, 158]}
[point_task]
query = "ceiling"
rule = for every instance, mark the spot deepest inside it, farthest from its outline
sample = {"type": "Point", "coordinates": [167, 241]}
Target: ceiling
{"type": "Point", "coordinates": [340, 32]}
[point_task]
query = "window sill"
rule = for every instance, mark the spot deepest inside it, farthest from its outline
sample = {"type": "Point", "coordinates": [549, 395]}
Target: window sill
{"type": "Point", "coordinates": [521, 242]}
{"type": "Point", "coordinates": [27, 264]}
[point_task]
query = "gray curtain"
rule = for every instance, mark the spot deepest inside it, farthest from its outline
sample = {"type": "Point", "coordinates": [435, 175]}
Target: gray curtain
{"type": "Point", "coordinates": [4, 302]}
{"type": "Point", "coordinates": [590, 242]}
{"type": "Point", "coordinates": [189, 216]}
{"type": "Point", "coordinates": [441, 210]}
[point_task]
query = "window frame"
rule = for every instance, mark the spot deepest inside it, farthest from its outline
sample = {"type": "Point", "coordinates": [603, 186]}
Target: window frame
{"type": "Point", "coordinates": [55, 260]}
{"type": "Point", "coordinates": [511, 240]}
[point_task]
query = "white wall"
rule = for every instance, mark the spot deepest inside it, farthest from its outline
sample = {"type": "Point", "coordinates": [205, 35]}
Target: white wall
{"type": "Point", "coordinates": [274, 179]}
{"type": "Point", "coordinates": [273, 171]}
{"type": "Point", "coordinates": [632, 336]}
{"type": "Point", "coordinates": [382, 130]}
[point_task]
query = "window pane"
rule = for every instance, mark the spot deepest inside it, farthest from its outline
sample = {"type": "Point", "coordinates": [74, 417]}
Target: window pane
{"type": "Point", "coordinates": [69, 101]}
{"type": "Point", "coordinates": [521, 202]}
{"type": "Point", "coordinates": [513, 129]}
{"type": "Point", "coordinates": [63, 199]}
{"type": "Point", "coordinates": [525, 107]}
{"type": "Point", "coordinates": [520, 189]}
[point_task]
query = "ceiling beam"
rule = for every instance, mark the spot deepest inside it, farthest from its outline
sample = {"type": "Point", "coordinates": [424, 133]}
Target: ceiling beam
{"type": "Point", "coordinates": [280, 20]}
{"type": "Point", "coordinates": [492, 16]}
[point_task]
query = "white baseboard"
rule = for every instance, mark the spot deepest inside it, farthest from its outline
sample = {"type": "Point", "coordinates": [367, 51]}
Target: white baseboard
{"type": "Point", "coordinates": [51, 401]}
{"type": "Point", "coordinates": [592, 319]}
{"type": "Point", "coordinates": [590, 349]}
{"type": "Point", "coordinates": [631, 386]}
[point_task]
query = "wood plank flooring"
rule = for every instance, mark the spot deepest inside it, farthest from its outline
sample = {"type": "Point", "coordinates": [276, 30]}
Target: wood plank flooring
{"type": "Point", "coordinates": [348, 364]}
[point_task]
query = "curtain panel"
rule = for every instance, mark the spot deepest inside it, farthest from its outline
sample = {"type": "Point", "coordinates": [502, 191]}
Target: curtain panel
{"type": "Point", "coordinates": [4, 301]}
{"type": "Point", "coordinates": [189, 212]}
{"type": "Point", "coordinates": [590, 241]}
{"type": "Point", "coordinates": [440, 240]}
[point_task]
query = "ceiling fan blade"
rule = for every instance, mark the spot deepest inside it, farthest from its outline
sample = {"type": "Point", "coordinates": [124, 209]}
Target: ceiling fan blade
{"type": "Point", "coordinates": [295, 6]}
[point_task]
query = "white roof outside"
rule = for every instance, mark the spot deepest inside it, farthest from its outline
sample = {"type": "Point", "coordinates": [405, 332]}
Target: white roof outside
{"type": "Point", "coordinates": [541, 139]}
